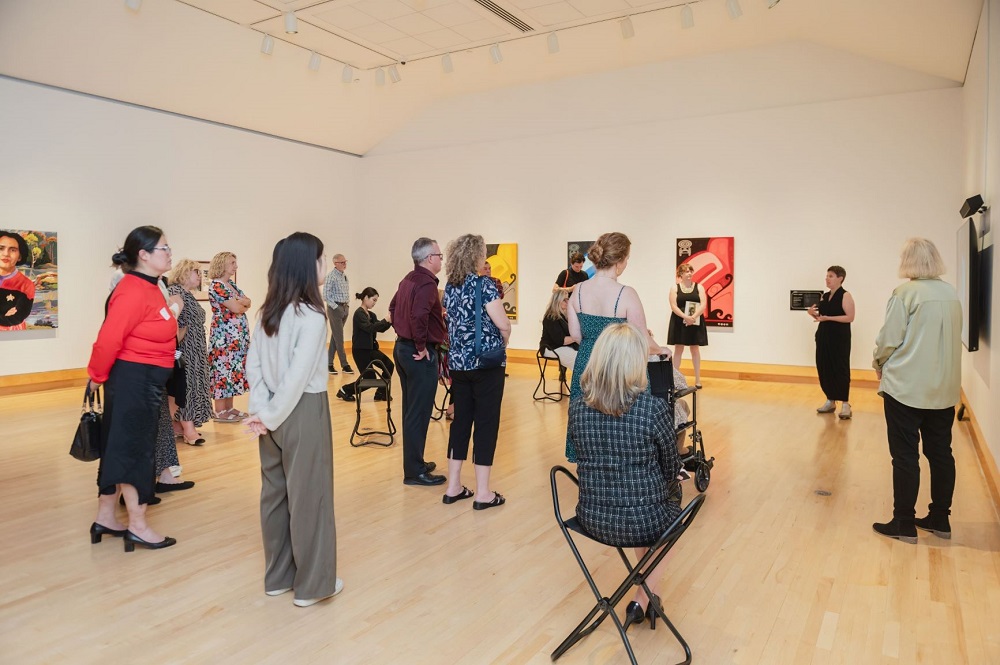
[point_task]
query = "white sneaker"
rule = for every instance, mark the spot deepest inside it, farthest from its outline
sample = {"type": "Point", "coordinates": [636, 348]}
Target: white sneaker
{"type": "Point", "coordinates": [306, 602]}
{"type": "Point", "coordinates": [278, 592]}
{"type": "Point", "coordinates": [845, 412]}
{"type": "Point", "coordinates": [828, 407]}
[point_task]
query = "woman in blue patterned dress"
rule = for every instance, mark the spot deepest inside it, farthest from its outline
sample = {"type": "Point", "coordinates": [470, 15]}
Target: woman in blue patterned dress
{"type": "Point", "coordinates": [599, 302]}
{"type": "Point", "coordinates": [628, 465]}
{"type": "Point", "coordinates": [229, 337]}
{"type": "Point", "coordinates": [477, 390]}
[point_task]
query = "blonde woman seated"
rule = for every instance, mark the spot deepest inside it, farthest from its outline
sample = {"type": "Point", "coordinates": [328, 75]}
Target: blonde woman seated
{"type": "Point", "coordinates": [626, 452]}
{"type": "Point", "coordinates": [555, 331]}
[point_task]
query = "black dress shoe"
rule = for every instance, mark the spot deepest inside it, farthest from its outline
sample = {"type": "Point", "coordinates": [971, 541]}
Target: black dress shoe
{"type": "Point", "coordinates": [131, 540]}
{"type": "Point", "coordinates": [429, 466]}
{"type": "Point", "coordinates": [174, 487]}
{"type": "Point", "coordinates": [425, 478]}
{"type": "Point", "coordinates": [152, 502]}
{"type": "Point", "coordinates": [98, 530]}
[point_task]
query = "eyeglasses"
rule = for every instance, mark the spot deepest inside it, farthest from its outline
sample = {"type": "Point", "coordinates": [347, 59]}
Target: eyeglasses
{"type": "Point", "coordinates": [165, 248]}
{"type": "Point", "coordinates": [441, 256]}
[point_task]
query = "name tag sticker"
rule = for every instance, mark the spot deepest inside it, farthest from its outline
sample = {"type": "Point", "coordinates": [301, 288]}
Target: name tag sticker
{"type": "Point", "coordinates": [164, 313]}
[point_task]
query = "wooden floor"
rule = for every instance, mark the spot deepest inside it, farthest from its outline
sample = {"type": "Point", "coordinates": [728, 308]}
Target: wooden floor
{"type": "Point", "coordinates": [770, 573]}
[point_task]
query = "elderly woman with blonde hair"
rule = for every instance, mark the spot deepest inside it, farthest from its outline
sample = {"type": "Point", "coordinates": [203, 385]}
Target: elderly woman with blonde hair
{"type": "Point", "coordinates": [185, 277]}
{"type": "Point", "coordinates": [918, 359]}
{"type": "Point", "coordinates": [555, 330]}
{"type": "Point", "coordinates": [626, 452]}
{"type": "Point", "coordinates": [229, 337]}
{"type": "Point", "coordinates": [478, 330]}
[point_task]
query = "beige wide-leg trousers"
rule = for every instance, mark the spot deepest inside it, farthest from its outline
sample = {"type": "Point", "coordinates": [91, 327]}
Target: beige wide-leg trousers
{"type": "Point", "coordinates": [296, 501]}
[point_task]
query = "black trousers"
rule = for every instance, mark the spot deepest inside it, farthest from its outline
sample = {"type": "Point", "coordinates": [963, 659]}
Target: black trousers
{"type": "Point", "coordinates": [478, 395]}
{"type": "Point", "coordinates": [363, 358]}
{"type": "Point", "coordinates": [906, 426]}
{"type": "Point", "coordinates": [418, 380]}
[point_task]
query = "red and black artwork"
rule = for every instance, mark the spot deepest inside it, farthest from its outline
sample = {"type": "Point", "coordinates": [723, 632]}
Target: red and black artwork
{"type": "Point", "coordinates": [712, 259]}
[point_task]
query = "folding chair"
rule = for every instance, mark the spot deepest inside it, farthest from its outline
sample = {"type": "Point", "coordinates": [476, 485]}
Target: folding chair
{"type": "Point", "coordinates": [377, 376]}
{"type": "Point", "coordinates": [637, 574]}
{"type": "Point", "coordinates": [542, 357]}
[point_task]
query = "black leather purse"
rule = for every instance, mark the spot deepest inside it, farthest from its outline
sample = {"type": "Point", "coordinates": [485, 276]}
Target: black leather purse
{"type": "Point", "coordinates": [87, 442]}
{"type": "Point", "coordinates": [494, 357]}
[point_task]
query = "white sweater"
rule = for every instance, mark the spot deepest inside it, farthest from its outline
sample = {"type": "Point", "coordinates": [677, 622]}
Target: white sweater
{"type": "Point", "coordinates": [281, 368]}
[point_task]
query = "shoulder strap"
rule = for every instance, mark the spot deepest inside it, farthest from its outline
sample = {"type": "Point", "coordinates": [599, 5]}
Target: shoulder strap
{"type": "Point", "coordinates": [579, 299]}
{"type": "Point", "coordinates": [479, 314]}
{"type": "Point", "coordinates": [566, 278]}
{"type": "Point", "coordinates": [617, 299]}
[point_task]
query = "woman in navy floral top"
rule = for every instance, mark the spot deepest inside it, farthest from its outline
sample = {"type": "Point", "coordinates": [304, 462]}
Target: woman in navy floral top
{"type": "Point", "coordinates": [477, 391]}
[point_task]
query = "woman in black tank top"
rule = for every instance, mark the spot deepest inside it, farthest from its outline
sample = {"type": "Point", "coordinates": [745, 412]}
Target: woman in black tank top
{"type": "Point", "coordinates": [834, 313]}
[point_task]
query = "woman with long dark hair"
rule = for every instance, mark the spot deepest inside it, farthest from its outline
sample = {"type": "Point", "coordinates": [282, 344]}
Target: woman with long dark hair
{"type": "Point", "coordinates": [133, 357]}
{"type": "Point", "coordinates": [364, 343]}
{"type": "Point", "coordinates": [286, 366]}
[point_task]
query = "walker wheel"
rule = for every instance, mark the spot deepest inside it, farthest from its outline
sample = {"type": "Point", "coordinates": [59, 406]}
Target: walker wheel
{"type": "Point", "coordinates": [702, 476]}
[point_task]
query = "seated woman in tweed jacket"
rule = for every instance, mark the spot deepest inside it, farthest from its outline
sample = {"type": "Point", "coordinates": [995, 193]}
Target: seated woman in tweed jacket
{"type": "Point", "coordinates": [626, 451]}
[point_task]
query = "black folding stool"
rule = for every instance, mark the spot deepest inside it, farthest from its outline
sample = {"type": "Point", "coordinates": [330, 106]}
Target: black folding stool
{"type": "Point", "coordinates": [542, 357]}
{"type": "Point", "coordinates": [377, 376]}
{"type": "Point", "coordinates": [637, 574]}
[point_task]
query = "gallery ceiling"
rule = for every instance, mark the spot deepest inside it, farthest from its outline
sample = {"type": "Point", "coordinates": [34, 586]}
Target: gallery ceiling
{"type": "Point", "coordinates": [329, 75]}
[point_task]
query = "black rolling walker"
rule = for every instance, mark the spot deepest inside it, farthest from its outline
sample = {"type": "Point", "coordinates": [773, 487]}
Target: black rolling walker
{"type": "Point", "coordinates": [377, 376]}
{"type": "Point", "coordinates": [637, 574]}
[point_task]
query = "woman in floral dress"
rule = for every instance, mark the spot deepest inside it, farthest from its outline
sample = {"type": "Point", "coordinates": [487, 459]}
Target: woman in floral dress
{"type": "Point", "coordinates": [229, 337]}
{"type": "Point", "coordinates": [194, 350]}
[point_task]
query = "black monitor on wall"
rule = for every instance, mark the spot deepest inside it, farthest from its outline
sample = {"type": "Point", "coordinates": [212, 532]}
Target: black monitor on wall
{"type": "Point", "coordinates": [968, 283]}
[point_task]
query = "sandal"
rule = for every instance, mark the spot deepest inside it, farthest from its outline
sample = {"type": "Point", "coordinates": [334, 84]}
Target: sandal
{"type": "Point", "coordinates": [498, 500]}
{"type": "Point", "coordinates": [240, 414]}
{"type": "Point", "coordinates": [227, 416]}
{"type": "Point", "coordinates": [197, 442]}
{"type": "Point", "coordinates": [466, 493]}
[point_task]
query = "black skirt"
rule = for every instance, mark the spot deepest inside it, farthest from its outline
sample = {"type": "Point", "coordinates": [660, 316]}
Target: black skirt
{"type": "Point", "coordinates": [133, 394]}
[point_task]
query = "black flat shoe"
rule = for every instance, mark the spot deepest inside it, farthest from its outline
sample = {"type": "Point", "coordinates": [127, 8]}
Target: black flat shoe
{"type": "Point", "coordinates": [152, 502]}
{"type": "Point", "coordinates": [98, 530]}
{"type": "Point", "coordinates": [498, 500]}
{"type": "Point", "coordinates": [634, 613]}
{"type": "Point", "coordinates": [131, 540]}
{"type": "Point", "coordinates": [425, 478]}
{"type": "Point", "coordinates": [466, 493]}
{"type": "Point", "coordinates": [174, 487]}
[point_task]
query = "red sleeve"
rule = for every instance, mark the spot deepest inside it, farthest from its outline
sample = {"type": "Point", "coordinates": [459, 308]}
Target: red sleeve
{"type": "Point", "coordinates": [125, 311]}
{"type": "Point", "coordinates": [424, 297]}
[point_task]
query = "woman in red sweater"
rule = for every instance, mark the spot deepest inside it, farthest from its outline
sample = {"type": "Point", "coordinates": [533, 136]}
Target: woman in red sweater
{"type": "Point", "coordinates": [133, 356]}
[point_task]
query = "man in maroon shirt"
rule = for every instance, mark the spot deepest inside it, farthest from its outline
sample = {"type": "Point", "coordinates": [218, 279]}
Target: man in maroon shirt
{"type": "Point", "coordinates": [418, 319]}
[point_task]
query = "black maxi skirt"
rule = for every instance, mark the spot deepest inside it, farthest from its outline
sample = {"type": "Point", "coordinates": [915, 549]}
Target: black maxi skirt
{"type": "Point", "coordinates": [133, 394]}
{"type": "Point", "coordinates": [833, 360]}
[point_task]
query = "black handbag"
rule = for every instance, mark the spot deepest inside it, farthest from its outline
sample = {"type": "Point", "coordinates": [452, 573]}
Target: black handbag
{"type": "Point", "coordinates": [493, 357]}
{"type": "Point", "coordinates": [87, 442]}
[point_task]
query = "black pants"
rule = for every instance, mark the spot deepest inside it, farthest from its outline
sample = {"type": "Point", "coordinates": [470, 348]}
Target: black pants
{"type": "Point", "coordinates": [906, 426]}
{"type": "Point", "coordinates": [418, 380]}
{"type": "Point", "coordinates": [478, 395]}
{"type": "Point", "coordinates": [362, 358]}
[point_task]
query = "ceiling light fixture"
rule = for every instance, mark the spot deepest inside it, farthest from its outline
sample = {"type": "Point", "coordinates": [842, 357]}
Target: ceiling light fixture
{"type": "Point", "coordinates": [553, 43]}
{"type": "Point", "coordinates": [267, 45]}
{"type": "Point", "coordinates": [134, 5]}
{"type": "Point", "coordinates": [348, 74]}
{"type": "Point", "coordinates": [687, 17]}
{"type": "Point", "coordinates": [291, 23]}
{"type": "Point", "coordinates": [314, 62]}
{"type": "Point", "coordinates": [628, 30]}
{"type": "Point", "coordinates": [735, 11]}
{"type": "Point", "coordinates": [394, 74]}
{"type": "Point", "coordinates": [495, 55]}
{"type": "Point", "coordinates": [379, 76]}
{"type": "Point", "coordinates": [446, 63]}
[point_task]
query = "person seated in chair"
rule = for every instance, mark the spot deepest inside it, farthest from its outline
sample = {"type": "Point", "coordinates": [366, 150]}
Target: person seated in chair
{"type": "Point", "coordinates": [555, 330]}
{"type": "Point", "coordinates": [626, 452]}
{"type": "Point", "coordinates": [364, 344]}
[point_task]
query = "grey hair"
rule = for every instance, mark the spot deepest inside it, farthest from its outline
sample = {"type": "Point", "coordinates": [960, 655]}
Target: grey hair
{"type": "Point", "coordinates": [422, 248]}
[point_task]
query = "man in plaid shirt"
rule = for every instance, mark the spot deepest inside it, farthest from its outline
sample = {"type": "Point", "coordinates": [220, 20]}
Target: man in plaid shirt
{"type": "Point", "coordinates": [336, 292]}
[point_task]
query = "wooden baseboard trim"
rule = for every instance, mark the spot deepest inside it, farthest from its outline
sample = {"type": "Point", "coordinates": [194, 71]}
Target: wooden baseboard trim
{"type": "Point", "coordinates": [986, 461]}
{"type": "Point", "coordinates": [15, 384]}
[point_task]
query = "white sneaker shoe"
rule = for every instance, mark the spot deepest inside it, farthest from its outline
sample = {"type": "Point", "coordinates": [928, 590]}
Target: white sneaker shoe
{"type": "Point", "coordinates": [278, 592]}
{"type": "Point", "coordinates": [306, 602]}
{"type": "Point", "coordinates": [845, 412]}
{"type": "Point", "coordinates": [828, 407]}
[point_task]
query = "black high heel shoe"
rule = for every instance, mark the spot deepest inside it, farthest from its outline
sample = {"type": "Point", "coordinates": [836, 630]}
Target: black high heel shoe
{"type": "Point", "coordinates": [634, 613]}
{"type": "Point", "coordinates": [98, 530]}
{"type": "Point", "coordinates": [651, 613]}
{"type": "Point", "coordinates": [131, 540]}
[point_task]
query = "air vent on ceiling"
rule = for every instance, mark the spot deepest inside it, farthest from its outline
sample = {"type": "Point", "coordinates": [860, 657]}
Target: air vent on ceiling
{"type": "Point", "coordinates": [496, 9]}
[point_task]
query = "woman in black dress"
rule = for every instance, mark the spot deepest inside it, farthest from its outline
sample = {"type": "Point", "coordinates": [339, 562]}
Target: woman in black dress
{"type": "Point", "coordinates": [193, 346]}
{"type": "Point", "coordinates": [687, 323]}
{"type": "Point", "coordinates": [555, 331]}
{"type": "Point", "coordinates": [625, 451]}
{"type": "Point", "coordinates": [364, 344]}
{"type": "Point", "coordinates": [833, 342]}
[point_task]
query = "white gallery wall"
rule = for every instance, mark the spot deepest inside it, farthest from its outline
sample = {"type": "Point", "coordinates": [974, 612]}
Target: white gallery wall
{"type": "Point", "coordinates": [800, 187]}
{"type": "Point", "coordinates": [92, 170]}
